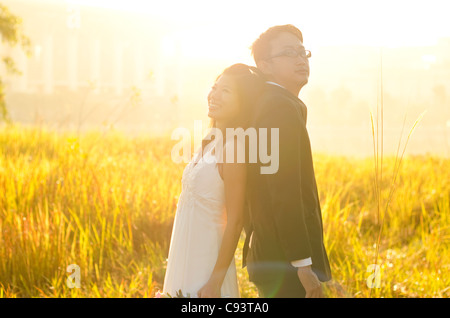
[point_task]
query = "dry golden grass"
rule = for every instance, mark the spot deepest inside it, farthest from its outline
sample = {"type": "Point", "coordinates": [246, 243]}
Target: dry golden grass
{"type": "Point", "coordinates": [107, 202]}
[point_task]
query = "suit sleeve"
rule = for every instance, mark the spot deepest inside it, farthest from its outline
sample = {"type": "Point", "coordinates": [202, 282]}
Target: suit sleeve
{"type": "Point", "coordinates": [285, 185]}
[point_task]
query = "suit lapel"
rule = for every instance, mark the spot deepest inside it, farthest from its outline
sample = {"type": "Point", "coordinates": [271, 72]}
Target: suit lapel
{"type": "Point", "coordinates": [296, 101]}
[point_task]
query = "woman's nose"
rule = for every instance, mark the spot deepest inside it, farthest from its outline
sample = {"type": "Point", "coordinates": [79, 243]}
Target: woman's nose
{"type": "Point", "coordinates": [210, 96]}
{"type": "Point", "coordinates": [213, 96]}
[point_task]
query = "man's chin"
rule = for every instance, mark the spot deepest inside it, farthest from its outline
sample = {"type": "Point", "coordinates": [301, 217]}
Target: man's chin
{"type": "Point", "coordinates": [302, 77]}
{"type": "Point", "coordinates": [303, 82]}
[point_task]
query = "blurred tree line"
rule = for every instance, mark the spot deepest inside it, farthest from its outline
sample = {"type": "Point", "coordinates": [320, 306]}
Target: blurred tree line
{"type": "Point", "coordinates": [12, 35]}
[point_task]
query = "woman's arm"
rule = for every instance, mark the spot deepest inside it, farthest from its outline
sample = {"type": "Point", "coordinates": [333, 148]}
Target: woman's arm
{"type": "Point", "coordinates": [234, 177]}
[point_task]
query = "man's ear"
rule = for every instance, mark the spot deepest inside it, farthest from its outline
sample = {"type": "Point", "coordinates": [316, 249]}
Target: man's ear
{"type": "Point", "coordinates": [265, 67]}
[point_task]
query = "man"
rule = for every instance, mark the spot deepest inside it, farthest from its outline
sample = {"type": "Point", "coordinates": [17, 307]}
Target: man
{"type": "Point", "coordinates": [284, 250]}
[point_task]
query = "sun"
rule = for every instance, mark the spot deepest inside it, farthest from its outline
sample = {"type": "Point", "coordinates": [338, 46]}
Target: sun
{"type": "Point", "coordinates": [206, 42]}
{"type": "Point", "coordinates": [193, 34]}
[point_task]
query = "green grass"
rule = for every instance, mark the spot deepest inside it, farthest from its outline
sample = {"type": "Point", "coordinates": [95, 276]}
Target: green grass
{"type": "Point", "coordinates": [106, 202]}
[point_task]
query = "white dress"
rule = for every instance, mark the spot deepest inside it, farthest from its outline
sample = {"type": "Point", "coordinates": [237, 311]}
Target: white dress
{"type": "Point", "coordinates": [198, 230]}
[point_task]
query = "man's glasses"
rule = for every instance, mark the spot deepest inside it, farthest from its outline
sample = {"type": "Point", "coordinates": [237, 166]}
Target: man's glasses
{"type": "Point", "coordinates": [293, 53]}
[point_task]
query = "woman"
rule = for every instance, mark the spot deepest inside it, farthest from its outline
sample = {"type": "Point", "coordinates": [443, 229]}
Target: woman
{"type": "Point", "coordinates": [210, 211]}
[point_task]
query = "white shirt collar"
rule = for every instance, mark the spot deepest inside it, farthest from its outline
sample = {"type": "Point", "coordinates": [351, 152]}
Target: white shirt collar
{"type": "Point", "coordinates": [269, 82]}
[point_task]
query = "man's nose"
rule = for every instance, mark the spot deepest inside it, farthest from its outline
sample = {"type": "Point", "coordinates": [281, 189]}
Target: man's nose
{"type": "Point", "coordinates": [301, 60]}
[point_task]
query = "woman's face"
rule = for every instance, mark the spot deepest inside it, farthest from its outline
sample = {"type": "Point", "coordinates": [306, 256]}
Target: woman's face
{"type": "Point", "coordinates": [223, 101]}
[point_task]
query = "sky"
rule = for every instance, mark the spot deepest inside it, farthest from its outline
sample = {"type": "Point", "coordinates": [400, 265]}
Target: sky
{"type": "Point", "coordinates": [323, 22]}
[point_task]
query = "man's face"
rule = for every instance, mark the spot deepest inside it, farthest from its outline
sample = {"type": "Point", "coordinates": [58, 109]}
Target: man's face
{"type": "Point", "coordinates": [286, 70]}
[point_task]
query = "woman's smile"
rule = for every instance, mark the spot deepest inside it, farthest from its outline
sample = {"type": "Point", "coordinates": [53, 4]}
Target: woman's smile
{"type": "Point", "coordinates": [214, 106]}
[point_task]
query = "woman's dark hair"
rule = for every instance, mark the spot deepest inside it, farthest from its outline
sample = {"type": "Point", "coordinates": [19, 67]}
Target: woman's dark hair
{"type": "Point", "coordinates": [249, 85]}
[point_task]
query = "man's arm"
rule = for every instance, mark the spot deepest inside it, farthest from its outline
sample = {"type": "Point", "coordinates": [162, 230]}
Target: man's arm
{"type": "Point", "coordinates": [286, 192]}
{"type": "Point", "coordinates": [285, 185]}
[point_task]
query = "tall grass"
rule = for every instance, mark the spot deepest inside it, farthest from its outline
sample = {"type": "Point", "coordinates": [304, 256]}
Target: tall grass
{"type": "Point", "coordinates": [378, 138]}
{"type": "Point", "coordinates": [107, 202]}
{"type": "Point", "coordinates": [103, 204]}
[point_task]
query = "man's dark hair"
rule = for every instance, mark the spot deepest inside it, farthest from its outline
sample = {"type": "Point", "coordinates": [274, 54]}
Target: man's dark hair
{"type": "Point", "coordinates": [261, 47]}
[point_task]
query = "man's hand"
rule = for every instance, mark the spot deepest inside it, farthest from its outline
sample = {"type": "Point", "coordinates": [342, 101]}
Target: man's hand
{"type": "Point", "coordinates": [310, 282]}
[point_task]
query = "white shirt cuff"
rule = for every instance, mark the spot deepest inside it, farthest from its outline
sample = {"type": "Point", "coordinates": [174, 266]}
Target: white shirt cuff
{"type": "Point", "coordinates": [302, 262]}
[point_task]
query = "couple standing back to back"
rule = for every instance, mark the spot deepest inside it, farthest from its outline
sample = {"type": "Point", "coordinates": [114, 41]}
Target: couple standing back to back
{"type": "Point", "coordinates": [283, 251]}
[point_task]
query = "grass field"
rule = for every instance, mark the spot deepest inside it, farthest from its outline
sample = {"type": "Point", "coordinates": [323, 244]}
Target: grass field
{"type": "Point", "coordinates": [106, 203]}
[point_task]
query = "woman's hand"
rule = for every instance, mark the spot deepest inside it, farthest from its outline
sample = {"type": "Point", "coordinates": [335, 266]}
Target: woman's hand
{"type": "Point", "coordinates": [210, 290]}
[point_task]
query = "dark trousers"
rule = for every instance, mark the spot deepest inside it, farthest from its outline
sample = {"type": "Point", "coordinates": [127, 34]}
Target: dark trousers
{"type": "Point", "coordinates": [288, 287]}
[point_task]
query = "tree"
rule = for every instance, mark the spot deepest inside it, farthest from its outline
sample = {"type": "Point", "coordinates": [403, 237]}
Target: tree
{"type": "Point", "coordinates": [11, 33]}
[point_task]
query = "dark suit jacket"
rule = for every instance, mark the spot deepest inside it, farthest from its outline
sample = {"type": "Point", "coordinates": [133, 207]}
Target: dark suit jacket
{"type": "Point", "coordinates": [284, 216]}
